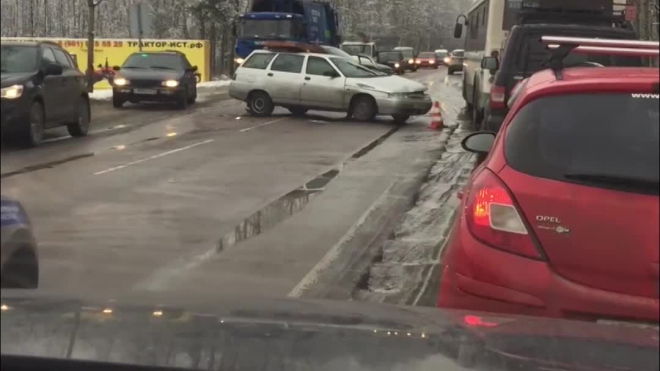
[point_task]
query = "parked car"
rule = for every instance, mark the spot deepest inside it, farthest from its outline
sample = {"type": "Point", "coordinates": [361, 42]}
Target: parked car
{"type": "Point", "coordinates": [409, 55]}
{"type": "Point", "coordinates": [356, 48]}
{"type": "Point", "coordinates": [19, 268]}
{"type": "Point", "coordinates": [440, 55]}
{"type": "Point", "coordinates": [41, 89]}
{"type": "Point", "coordinates": [454, 61]}
{"type": "Point", "coordinates": [427, 59]}
{"type": "Point", "coordinates": [304, 81]}
{"type": "Point", "coordinates": [393, 59]}
{"type": "Point", "coordinates": [562, 217]}
{"type": "Point", "coordinates": [364, 60]}
{"type": "Point", "coordinates": [523, 55]}
{"type": "Point", "coordinates": [367, 61]}
{"type": "Point", "coordinates": [155, 77]}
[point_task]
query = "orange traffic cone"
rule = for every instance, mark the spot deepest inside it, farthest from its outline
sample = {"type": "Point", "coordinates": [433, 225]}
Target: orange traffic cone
{"type": "Point", "coordinates": [437, 123]}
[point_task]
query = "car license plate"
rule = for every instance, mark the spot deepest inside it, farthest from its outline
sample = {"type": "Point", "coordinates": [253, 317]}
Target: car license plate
{"type": "Point", "coordinates": [146, 91]}
{"type": "Point", "coordinates": [628, 324]}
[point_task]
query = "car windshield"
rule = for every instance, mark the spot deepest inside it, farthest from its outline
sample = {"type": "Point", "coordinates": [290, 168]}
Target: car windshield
{"type": "Point", "coordinates": [562, 137]}
{"type": "Point", "coordinates": [390, 57]}
{"type": "Point", "coordinates": [357, 49]}
{"type": "Point", "coordinates": [351, 69]}
{"type": "Point", "coordinates": [17, 59]}
{"type": "Point", "coordinates": [269, 28]}
{"type": "Point", "coordinates": [407, 53]}
{"type": "Point", "coordinates": [153, 60]}
{"type": "Point", "coordinates": [458, 53]}
{"type": "Point", "coordinates": [427, 55]}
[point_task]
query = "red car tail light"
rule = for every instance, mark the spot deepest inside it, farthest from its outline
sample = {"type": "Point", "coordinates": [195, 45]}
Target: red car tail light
{"type": "Point", "coordinates": [498, 97]}
{"type": "Point", "coordinates": [476, 321]}
{"type": "Point", "coordinates": [493, 217]}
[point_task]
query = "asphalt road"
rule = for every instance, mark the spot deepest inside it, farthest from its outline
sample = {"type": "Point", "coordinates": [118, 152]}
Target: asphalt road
{"type": "Point", "coordinates": [210, 200]}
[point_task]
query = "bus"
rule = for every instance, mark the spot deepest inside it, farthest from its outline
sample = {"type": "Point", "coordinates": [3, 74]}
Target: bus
{"type": "Point", "coordinates": [486, 28]}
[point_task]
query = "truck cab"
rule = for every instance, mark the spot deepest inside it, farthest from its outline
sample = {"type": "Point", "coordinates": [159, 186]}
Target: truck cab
{"type": "Point", "coordinates": [356, 48]}
{"type": "Point", "coordinates": [302, 21]}
{"type": "Point", "coordinates": [257, 28]}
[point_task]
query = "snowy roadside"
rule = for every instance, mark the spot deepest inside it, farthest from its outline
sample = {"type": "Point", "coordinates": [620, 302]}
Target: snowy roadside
{"type": "Point", "coordinates": [406, 268]}
{"type": "Point", "coordinates": [206, 86]}
{"type": "Point", "coordinates": [403, 271]}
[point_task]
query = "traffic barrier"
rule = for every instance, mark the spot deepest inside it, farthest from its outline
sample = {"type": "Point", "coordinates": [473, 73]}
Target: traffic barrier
{"type": "Point", "coordinates": [437, 122]}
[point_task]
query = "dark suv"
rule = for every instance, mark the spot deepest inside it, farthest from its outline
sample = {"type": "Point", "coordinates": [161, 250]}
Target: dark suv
{"type": "Point", "coordinates": [42, 88]}
{"type": "Point", "coordinates": [155, 77]}
{"type": "Point", "coordinates": [523, 54]}
{"type": "Point", "coordinates": [393, 59]}
{"type": "Point", "coordinates": [410, 57]}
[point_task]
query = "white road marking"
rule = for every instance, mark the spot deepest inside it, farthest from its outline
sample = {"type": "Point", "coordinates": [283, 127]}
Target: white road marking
{"type": "Point", "coordinates": [154, 157]}
{"type": "Point", "coordinates": [333, 254]}
{"type": "Point", "coordinates": [260, 125]}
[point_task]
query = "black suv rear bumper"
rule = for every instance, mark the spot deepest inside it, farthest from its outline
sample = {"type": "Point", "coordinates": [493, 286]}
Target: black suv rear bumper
{"type": "Point", "coordinates": [494, 120]}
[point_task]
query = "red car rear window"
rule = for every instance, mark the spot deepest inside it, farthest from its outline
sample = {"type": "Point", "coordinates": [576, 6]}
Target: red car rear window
{"type": "Point", "coordinates": [601, 140]}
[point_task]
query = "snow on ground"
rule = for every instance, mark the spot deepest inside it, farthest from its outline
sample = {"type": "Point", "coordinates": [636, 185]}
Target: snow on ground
{"type": "Point", "coordinates": [402, 272]}
{"type": "Point", "coordinates": [214, 84]}
{"type": "Point", "coordinates": [101, 94]}
{"type": "Point", "coordinates": [417, 242]}
{"type": "Point", "coordinates": [106, 94]}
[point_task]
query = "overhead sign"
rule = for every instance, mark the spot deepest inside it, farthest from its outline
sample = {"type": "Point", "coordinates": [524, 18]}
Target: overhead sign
{"type": "Point", "coordinates": [140, 20]}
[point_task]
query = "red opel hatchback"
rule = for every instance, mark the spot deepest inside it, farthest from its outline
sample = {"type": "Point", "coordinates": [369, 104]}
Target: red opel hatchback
{"type": "Point", "coordinates": [561, 219]}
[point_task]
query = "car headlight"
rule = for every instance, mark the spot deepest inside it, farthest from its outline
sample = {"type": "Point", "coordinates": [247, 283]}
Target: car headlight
{"type": "Point", "coordinates": [239, 60]}
{"type": "Point", "coordinates": [447, 60]}
{"type": "Point", "coordinates": [171, 83]}
{"type": "Point", "coordinates": [396, 65]}
{"type": "Point", "coordinates": [431, 61]}
{"type": "Point", "coordinates": [12, 92]}
{"type": "Point", "coordinates": [120, 81]}
{"type": "Point", "coordinates": [418, 61]}
{"type": "Point", "coordinates": [411, 61]}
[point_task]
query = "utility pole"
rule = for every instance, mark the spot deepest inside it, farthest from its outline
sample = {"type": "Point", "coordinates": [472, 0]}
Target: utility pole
{"type": "Point", "coordinates": [91, 25]}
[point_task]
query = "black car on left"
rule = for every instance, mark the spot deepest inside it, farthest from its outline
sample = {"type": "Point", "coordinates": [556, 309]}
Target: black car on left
{"type": "Point", "coordinates": [42, 88]}
{"type": "Point", "coordinates": [395, 60]}
{"type": "Point", "coordinates": [155, 77]}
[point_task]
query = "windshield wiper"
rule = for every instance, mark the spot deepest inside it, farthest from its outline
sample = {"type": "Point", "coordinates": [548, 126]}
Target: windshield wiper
{"type": "Point", "coordinates": [162, 68]}
{"type": "Point", "coordinates": [611, 179]}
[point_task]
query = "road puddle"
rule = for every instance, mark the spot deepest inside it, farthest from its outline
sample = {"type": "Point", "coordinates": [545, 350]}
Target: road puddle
{"type": "Point", "coordinates": [268, 217]}
{"type": "Point", "coordinates": [293, 202]}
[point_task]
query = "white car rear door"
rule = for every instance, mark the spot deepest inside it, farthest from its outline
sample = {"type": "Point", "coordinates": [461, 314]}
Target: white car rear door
{"type": "Point", "coordinates": [284, 80]}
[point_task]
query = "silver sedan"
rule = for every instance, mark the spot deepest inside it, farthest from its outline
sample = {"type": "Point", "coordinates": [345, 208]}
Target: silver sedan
{"type": "Point", "coordinates": [304, 81]}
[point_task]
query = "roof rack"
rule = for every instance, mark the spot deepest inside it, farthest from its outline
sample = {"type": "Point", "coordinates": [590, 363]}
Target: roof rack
{"type": "Point", "coordinates": [49, 42]}
{"type": "Point", "coordinates": [561, 47]}
{"type": "Point", "coordinates": [293, 47]}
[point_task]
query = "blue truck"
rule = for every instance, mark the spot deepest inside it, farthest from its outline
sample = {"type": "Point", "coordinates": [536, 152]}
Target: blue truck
{"type": "Point", "coordinates": [304, 21]}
